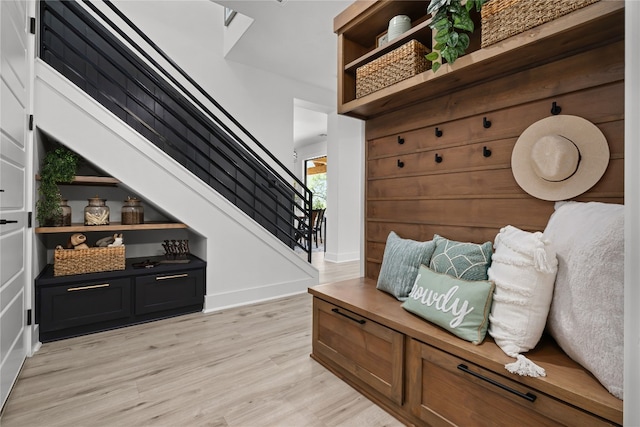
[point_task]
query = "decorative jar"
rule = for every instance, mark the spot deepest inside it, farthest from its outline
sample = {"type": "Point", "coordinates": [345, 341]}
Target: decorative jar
{"type": "Point", "coordinates": [132, 211]}
{"type": "Point", "coordinates": [398, 25]}
{"type": "Point", "coordinates": [65, 217]}
{"type": "Point", "coordinates": [96, 212]}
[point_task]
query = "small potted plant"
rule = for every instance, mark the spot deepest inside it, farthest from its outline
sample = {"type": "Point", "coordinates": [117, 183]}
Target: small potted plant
{"type": "Point", "coordinates": [58, 166]}
{"type": "Point", "coordinates": [451, 20]}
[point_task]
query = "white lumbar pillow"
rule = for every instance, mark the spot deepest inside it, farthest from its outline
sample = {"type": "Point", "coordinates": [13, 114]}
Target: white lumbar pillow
{"type": "Point", "coordinates": [524, 270]}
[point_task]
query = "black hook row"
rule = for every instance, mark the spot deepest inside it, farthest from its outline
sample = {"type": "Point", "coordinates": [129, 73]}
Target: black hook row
{"type": "Point", "coordinates": [486, 152]}
{"type": "Point", "coordinates": [486, 123]}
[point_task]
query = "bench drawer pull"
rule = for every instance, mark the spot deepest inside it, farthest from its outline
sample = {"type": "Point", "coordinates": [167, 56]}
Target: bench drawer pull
{"type": "Point", "coordinates": [528, 396]}
{"type": "Point", "coordinates": [361, 321]}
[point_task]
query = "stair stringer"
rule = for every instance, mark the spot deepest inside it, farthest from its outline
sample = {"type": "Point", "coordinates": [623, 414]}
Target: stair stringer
{"type": "Point", "coordinates": [245, 263]}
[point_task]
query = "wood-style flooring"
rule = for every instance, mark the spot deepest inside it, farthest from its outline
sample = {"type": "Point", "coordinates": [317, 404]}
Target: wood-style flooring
{"type": "Point", "coordinates": [247, 366]}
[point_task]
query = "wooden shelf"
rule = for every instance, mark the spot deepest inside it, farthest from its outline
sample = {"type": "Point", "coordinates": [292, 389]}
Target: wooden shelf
{"type": "Point", "coordinates": [90, 180]}
{"type": "Point", "coordinates": [596, 25]}
{"type": "Point", "coordinates": [419, 32]}
{"type": "Point", "coordinates": [114, 227]}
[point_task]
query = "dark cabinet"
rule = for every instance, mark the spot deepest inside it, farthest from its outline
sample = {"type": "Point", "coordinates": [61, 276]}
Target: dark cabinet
{"type": "Point", "coordinates": [84, 303]}
{"type": "Point", "coordinates": [68, 306]}
{"type": "Point", "coordinates": [161, 292]}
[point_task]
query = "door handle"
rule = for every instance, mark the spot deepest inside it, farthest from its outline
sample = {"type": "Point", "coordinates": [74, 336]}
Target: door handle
{"type": "Point", "coordinates": [7, 221]}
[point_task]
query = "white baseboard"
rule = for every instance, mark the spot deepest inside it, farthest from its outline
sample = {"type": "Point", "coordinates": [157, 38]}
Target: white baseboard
{"type": "Point", "coordinates": [341, 257]}
{"type": "Point", "coordinates": [226, 300]}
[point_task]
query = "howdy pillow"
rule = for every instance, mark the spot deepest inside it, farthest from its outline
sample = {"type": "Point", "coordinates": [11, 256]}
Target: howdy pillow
{"type": "Point", "coordinates": [462, 307]}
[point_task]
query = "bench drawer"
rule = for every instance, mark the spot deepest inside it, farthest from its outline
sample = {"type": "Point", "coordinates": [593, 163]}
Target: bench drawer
{"type": "Point", "coordinates": [360, 349]}
{"type": "Point", "coordinates": [447, 390]}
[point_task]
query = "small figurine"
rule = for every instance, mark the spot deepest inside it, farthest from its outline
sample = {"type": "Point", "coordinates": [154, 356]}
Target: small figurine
{"type": "Point", "coordinates": [117, 241]}
{"type": "Point", "coordinates": [105, 241]}
{"type": "Point", "coordinates": [77, 241]}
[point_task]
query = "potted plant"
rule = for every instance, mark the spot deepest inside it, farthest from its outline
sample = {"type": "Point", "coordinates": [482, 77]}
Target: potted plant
{"type": "Point", "coordinates": [58, 166]}
{"type": "Point", "coordinates": [451, 21]}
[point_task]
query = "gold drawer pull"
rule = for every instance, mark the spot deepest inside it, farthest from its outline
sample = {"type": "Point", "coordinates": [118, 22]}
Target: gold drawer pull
{"type": "Point", "coordinates": [82, 288]}
{"type": "Point", "coordinates": [175, 276]}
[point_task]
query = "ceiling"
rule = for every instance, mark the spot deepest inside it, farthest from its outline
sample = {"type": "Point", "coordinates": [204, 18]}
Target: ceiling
{"type": "Point", "coordinates": [295, 39]}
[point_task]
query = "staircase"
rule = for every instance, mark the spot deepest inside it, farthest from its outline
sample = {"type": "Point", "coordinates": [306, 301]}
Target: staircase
{"type": "Point", "coordinates": [119, 112]}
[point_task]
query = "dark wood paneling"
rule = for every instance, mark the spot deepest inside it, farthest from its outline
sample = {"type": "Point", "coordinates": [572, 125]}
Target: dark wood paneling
{"type": "Point", "coordinates": [573, 74]}
{"type": "Point", "coordinates": [469, 197]}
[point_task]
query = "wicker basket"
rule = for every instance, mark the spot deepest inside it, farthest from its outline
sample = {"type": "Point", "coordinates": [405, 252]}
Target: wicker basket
{"type": "Point", "coordinates": [92, 260]}
{"type": "Point", "coordinates": [505, 18]}
{"type": "Point", "coordinates": [397, 65]}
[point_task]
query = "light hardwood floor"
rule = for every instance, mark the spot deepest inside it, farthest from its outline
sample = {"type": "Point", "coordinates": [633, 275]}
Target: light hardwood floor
{"type": "Point", "coordinates": [247, 366]}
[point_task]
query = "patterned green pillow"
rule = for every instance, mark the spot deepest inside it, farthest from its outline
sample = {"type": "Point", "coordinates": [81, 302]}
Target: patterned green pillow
{"type": "Point", "coordinates": [468, 261]}
{"type": "Point", "coordinates": [461, 307]}
{"type": "Point", "coordinates": [400, 263]}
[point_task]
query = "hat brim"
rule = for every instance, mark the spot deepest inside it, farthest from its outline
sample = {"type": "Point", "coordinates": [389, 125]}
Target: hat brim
{"type": "Point", "coordinates": [594, 152]}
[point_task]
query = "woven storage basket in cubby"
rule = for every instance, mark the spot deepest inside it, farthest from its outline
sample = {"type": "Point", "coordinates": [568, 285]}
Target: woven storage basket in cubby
{"type": "Point", "coordinates": [91, 260]}
{"type": "Point", "coordinates": [397, 65]}
{"type": "Point", "coordinates": [505, 18]}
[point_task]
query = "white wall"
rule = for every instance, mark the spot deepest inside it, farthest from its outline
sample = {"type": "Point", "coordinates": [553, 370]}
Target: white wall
{"type": "Point", "coordinates": [192, 34]}
{"type": "Point", "coordinates": [632, 213]}
{"type": "Point", "coordinates": [345, 153]}
{"type": "Point", "coordinates": [262, 102]}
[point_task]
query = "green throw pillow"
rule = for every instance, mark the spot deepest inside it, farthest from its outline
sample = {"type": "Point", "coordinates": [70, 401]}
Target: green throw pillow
{"type": "Point", "coordinates": [400, 263]}
{"type": "Point", "coordinates": [460, 306]}
{"type": "Point", "coordinates": [468, 261]}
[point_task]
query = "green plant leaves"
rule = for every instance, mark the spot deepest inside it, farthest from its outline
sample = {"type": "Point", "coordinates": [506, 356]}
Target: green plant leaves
{"type": "Point", "coordinates": [436, 5]}
{"type": "Point", "coordinates": [58, 165]}
{"type": "Point", "coordinates": [451, 22]}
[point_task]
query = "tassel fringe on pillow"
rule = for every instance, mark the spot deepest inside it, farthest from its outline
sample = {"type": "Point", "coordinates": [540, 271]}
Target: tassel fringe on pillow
{"type": "Point", "coordinates": [525, 367]}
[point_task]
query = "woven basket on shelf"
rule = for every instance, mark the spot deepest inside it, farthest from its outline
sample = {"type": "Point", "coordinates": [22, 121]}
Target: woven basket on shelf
{"type": "Point", "coordinates": [506, 18]}
{"type": "Point", "coordinates": [92, 260]}
{"type": "Point", "coordinates": [399, 64]}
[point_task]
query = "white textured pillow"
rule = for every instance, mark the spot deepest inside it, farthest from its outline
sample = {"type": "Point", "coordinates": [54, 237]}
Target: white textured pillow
{"type": "Point", "coordinates": [523, 269]}
{"type": "Point", "coordinates": [587, 311]}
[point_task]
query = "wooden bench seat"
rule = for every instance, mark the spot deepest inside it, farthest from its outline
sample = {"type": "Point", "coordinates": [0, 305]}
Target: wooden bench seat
{"type": "Point", "coordinates": [423, 374]}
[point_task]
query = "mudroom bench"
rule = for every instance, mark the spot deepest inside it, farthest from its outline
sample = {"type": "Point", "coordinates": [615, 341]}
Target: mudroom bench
{"type": "Point", "coordinates": [424, 375]}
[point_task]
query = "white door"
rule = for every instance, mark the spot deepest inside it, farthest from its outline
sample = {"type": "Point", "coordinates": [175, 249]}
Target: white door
{"type": "Point", "coordinates": [14, 103]}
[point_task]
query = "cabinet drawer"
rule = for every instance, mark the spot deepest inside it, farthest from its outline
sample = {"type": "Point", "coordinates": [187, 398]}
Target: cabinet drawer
{"type": "Point", "coordinates": [359, 348]}
{"type": "Point", "coordinates": [447, 390]}
{"type": "Point", "coordinates": [169, 291]}
{"type": "Point", "coordinates": [84, 303]}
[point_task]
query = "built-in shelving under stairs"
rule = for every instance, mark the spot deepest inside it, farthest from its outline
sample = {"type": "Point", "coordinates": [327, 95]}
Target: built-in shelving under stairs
{"type": "Point", "coordinates": [245, 262]}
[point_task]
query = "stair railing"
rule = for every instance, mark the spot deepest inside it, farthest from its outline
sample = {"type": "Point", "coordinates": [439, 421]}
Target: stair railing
{"type": "Point", "coordinates": [186, 130]}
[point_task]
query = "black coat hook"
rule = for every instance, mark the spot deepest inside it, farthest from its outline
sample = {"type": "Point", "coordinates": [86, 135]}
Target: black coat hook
{"type": "Point", "coordinates": [400, 163]}
{"type": "Point", "coordinates": [486, 152]}
{"type": "Point", "coordinates": [438, 133]}
{"type": "Point", "coordinates": [555, 109]}
{"type": "Point", "coordinates": [400, 140]}
{"type": "Point", "coordinates": [438, 158]}
{"type": "Point", "coordinates": [486, 123]}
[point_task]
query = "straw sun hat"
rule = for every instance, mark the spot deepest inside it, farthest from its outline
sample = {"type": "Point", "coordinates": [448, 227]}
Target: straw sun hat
{"type": "Point", "coordinates": [559, 157]}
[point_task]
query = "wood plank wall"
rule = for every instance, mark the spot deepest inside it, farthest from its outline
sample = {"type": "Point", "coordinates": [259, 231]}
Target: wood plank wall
{"type": "Point", "coordinates": [469, 197]}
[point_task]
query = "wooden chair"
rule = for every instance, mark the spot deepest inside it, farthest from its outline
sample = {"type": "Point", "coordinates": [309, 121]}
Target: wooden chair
{"type": "Point", "coordinates": [317, 219]}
